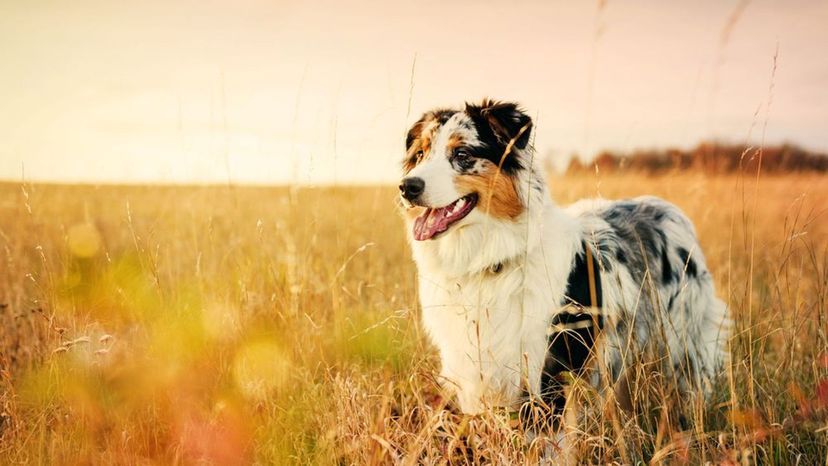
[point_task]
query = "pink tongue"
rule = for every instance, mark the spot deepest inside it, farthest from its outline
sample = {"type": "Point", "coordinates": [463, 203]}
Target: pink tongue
{"type": "Point", "coordinates": [432, 222]}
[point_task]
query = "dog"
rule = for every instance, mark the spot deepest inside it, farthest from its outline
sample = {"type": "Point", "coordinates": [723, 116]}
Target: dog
{"type": "Point", "coordinates": [516, 290]}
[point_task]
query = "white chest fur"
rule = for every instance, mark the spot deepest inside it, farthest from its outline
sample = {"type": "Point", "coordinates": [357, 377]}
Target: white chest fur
{"type": "Point", "coordinates": [490, 326]}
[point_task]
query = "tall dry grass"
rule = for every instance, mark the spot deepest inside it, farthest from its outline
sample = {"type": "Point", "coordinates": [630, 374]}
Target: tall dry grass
{"type": "Point", "coordinates": [229, 325]}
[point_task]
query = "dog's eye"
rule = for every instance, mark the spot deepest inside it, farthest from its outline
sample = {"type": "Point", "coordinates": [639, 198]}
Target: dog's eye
{"type": "Point", "coordinates": [461, 154]}
{"type": "Point", "coordinates": [419, 156]}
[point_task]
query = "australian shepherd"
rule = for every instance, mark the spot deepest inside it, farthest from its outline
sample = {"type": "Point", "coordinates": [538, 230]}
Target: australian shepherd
{"type": "Point", "coordinates": [517, 291]}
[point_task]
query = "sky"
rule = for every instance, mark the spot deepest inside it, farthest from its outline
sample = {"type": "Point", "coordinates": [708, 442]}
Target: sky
{"type": "Point", "coordinates": [322, 92]}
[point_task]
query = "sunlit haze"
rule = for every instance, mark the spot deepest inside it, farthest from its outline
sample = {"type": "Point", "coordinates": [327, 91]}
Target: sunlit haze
{"type": "Point", "coordinates": [322, 92]}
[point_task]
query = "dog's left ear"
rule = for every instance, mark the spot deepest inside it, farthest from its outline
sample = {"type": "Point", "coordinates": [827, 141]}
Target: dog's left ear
{"type": "Point", "coordinates": [507, 121]}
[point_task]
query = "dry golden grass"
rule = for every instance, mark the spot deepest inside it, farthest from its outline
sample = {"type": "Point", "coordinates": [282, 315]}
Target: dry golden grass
{"type": "Point", "coordinates": [229, 325]}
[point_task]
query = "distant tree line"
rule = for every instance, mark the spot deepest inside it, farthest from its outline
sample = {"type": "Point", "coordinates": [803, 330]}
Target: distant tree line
{"type": "Point", "coordinates": [709, 157]}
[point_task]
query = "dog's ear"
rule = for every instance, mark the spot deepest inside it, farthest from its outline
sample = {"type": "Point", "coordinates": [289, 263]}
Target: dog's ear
{"type": "Point", "coordinates": [414, 137]}
{"type": "Point", "coordinates": [415, 131]}
{"type": "Point", "coordinates": [507, 121]}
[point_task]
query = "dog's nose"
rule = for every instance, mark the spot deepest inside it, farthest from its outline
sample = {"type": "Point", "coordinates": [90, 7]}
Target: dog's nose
{"type": "Point", "coordinates": [412, 187]}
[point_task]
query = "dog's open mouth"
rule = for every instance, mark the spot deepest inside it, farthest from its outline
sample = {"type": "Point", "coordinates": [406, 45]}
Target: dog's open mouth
{"type": "Point", "coordinates": [436, 220]}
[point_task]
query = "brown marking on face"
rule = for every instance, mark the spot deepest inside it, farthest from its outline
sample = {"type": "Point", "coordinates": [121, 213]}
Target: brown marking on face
{"type": "Point", "coordinates": [497, 195]}
{"type": "Point", "coordinates": [420, 136]}
{"type": "Point", "coordinates": [455, 141]}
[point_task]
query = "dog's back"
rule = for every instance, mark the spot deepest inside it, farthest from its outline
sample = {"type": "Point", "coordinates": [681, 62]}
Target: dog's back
{"type": "Point", "coordinates": [659, 296]}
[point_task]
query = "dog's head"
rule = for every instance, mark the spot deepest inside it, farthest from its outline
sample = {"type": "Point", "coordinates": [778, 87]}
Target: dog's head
{"type": "Point", "coordinates": [462, 166]}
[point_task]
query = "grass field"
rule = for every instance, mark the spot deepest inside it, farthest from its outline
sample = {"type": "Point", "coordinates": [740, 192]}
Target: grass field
{"type": "Point", "coordinates": [236, 325]}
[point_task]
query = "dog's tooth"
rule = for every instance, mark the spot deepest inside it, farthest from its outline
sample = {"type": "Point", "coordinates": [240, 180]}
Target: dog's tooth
{"type": "Point", "coordinates": [459, 204]}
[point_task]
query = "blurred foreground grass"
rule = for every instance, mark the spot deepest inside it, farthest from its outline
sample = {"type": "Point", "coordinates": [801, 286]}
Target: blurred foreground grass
{"type": "Point", "coordinates": [231, 325]}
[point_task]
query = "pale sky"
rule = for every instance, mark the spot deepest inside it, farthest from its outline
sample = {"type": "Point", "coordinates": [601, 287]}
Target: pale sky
{"type": "Point", "coordinates": [318, 92]}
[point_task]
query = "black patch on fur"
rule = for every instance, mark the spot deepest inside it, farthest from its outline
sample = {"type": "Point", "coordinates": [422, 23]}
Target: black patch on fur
{"type": "Point", "coordinates": [667, 275]}
{"type": "Point", "coordinates": [577, 284]}
{"type": "Point", "coordinates": [569, 350]}
{"type": "Point", "coordinates": [641, 243]}
{"type": "Point", "coordinates": [494, 141]}
{"type": "Point", "coordinates": [687, 262]}
{"type": "Point", "coordinates": [444, 115]}
{"type": "Point", "coordinates": [620, 210]}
